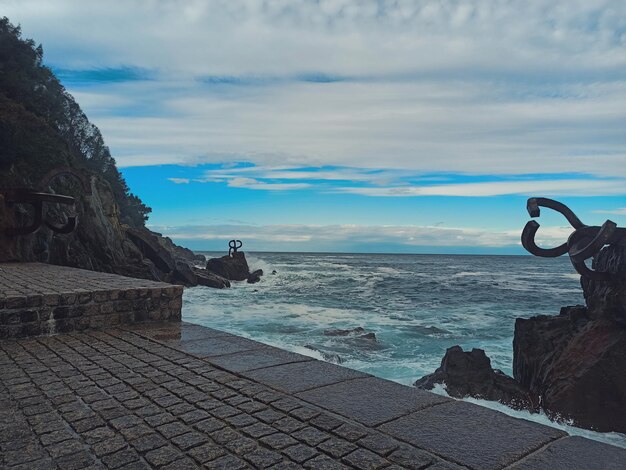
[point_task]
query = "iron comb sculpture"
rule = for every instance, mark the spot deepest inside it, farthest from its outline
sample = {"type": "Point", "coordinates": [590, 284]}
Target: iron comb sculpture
{"type": "Point", "coordinates": [584, 242]}
{"type": "Point", "coordinates": [37, 198]}
{"type": "Point", "coordinates": [233, 247]}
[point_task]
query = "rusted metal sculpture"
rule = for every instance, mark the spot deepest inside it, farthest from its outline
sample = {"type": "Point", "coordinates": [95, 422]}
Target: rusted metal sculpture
{"type": "Point", "coordinates": [584, 242]}
{"type": "Point", "coordinates": [233, 246]}
{"type": "Point", "coordinates": [37, 198]}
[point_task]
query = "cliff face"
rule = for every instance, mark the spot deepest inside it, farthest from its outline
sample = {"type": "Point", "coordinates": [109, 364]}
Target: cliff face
{"type": "Point", "coordinates": [43, 128]}
{"type": "Point", "coordinates": [576, 361]}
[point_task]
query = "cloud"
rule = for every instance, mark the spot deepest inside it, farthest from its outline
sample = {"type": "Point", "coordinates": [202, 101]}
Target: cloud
{"type": "Point", "coordinates": [251, 183]}
{"type": "Point", "coordinates": [620, 211]}
{"type": "Point", "coordinates": [477, 87]}
{"type": "Point", "coordinates": [575, 187]}
{"type": "Point", "coordinates": [410, 236]}
{"type": "Point", "coordinates": [180, 180]}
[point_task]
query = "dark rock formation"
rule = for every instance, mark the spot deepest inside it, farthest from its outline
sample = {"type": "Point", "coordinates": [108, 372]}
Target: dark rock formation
{"type": "Point", "coordinates": [234, 268]}
{"type": "Point", "coordinates": [255, 276]}
{"type": "Point", "coordinates": [470, 374]}
{"type": "Point", "coordinates": [340, 332]}
{"type": "Point", "coordinates": [576, 361]}
{"type": "Point", "coordinates": [209, 279]}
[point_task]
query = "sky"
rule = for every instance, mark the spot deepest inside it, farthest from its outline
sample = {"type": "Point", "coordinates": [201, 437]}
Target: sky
{"type": "Point", "coordinates": [351, 125]}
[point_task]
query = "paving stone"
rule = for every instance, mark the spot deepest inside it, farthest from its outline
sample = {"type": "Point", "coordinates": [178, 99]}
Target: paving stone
{"type": "Point", "coordinates": [54, 437]}
{"type": "Point", "coordinates": [159, 419]}
{"type": "Point", "coordinates": [212, 347]}
{"type": "Point", "coordinates": [262, 458]}
{"type": "Point", "coordinates": [68, 447]}
{"type": "Point", "coordinates": [225, 435]}
{"type": "Point", "coordinates": [97, 435]}
{"type": "Point", "coordinates": [162, 456]}
{"type": "Point", "coordinates": [350, 432]}
{"type": "Point", "coordinates": [326, 422]}
{"type": "Point", "coordinates": [472, 443]}
{"type": "Point", "coordinates": [337, 448]}
{"type": "Point", "coordinates": [278, 440]}
{"type": "Point", "coordinates": [286, 466]}
{"type": "Point", "coordinates": [240, 421]}
{"type": "Point", "coordinates": [256, 359]}
{"type": "Point", "coordinates": [371, 400]}
{"type": "Point", "coordinates": [379, 443]}
{"type": "Point", "coordinates": [412, 459]}
{"type": "Point", "coordinates": [182, 464]}
{"type": "Point", "coordinates": [109, 446]}
{"type": "Point", "coordinates": [241, 446]}
{"type": "Point", "coordinates": [311, 436]}
{"type": "Point", "coordinates": [170, 430]}
{"type": "Point", "coordinates": [227, 462]}
{"type": "Point", "coordinates": [194, 416]}
{"type": "Point", "coordinates": [573, 453]}
{"type": "Point", "coordinates": [288, 425]}
{"type": "Point", "coordinates": [188, 440]}
{"type": "Point", "coordinates": [252, 406]}
{"type": "Point", "coordinates": [148, 442]}
{"type": "Point", "coordinates": [259, 430]}
{"type": "Point", "coordinates": [209, 425]}
{"type": "Point", "coordinates": [121, 458]}
{"type": "Point", "coordinates": [300, 453]}
{"type": "Point", "coordinates": [324, 463]}
{"type": "Point", "coordinates": [304, 413]}
{"type": "Point", "coordinates": [300, 376]}
{"type": "Point", "coordinates": [206, 452]}
{"type": "Point", "coordinates": [365, 459]}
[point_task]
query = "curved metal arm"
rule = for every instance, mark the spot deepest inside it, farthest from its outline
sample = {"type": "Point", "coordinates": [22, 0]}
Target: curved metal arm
{"type": "Point", "coordinates": [234, 245]}
{"type": "Point", "coordinates": [528, 242]}
{"type": "Point", "coordinates": [599, 238]}
{"type": "Point", "coordinates": [533, 204]}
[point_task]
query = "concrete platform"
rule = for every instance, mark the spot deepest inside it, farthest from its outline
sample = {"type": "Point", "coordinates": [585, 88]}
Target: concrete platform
{"type": "Point", "coordinates": [38, 299]}
{"type": "Point", "coordinates": [179, 396]}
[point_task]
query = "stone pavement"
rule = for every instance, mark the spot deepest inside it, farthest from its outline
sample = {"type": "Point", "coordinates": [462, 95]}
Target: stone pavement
{"type": "Point", "coordinates": [38, 298]}
{"type": "Point", "coordinates": [178, 396]}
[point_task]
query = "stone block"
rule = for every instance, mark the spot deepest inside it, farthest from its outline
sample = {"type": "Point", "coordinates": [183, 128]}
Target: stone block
{"type": "Point", "coordinates": [257, 358]}
{"type": "Point", "coordinates": [301, 376]}
{"type": "Point", "coordinates": [575, 453]}
{"type": "Point", "coordinates": [471, 435]}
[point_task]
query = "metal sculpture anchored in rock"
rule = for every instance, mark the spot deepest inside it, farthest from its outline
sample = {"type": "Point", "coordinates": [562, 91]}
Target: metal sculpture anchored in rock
{"type": "Point", "coordinates": [233, 246]}
{"type": "Point", "coordinates": [584, 242]}
{"type": "Point", "coordinates": [36, 200]}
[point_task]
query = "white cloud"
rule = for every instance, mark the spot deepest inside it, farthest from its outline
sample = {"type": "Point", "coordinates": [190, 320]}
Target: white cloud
{"type": "Point", "coordinates": [251, 183]}
{"type": "Point", "coordinates": [481, 87]}
{"type": "Point", "coordinates": [321, 235]}
{"type": "Point", "coordinates": [620, 211]}
{"type": "Point", "coordinates": [547, 187]}
{"type": "Point", "coordinates": [179, 180]}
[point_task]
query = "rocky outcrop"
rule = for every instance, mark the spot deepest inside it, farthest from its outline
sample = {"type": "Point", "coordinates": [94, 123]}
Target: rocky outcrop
{"type": "Point", "coordinates": [571, 364]}
{"type": "Point", "coordinates": [470, 374]}
{"type": "Point", "coordinates": [347, 332]}
{"type": "Point", "coordinates": [100, 241]}
{"type": "Point", "coordinates": [255, 276]}
{"type": "Point", "coordinates": [209, 279]}
{"type": "Point", "coordinates": [576, 361]}
{"type": "Point", "coordinates": [232, 267]}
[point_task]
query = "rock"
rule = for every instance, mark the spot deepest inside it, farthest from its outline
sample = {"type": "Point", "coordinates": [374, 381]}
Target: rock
{"type": "Point", "coordinates": [255, 276]}
{"type": "Point", "coordinates": [209, 279]}
{"type": "Point", "coordinates": [328, 357]}
{"type": "Point", "coordinates": [369, 337]}
{"type": "Point", "coordinates": [339, 332]}
{"type": "Point", "coordinates": [470, 374]}
{"type": "Point", "coordinates": [274, 272]}
{"type": "Point", "coordinates": [185, 274]}
{"type": "Point", "coordinates": [234, 268]}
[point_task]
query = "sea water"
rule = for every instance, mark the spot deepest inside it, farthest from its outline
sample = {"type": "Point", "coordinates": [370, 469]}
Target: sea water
{"type": "Point", "coordinates": [416, 305]}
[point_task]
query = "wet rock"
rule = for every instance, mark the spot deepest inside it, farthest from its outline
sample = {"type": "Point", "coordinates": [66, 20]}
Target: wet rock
{"type": "Point", "coordinates": [255, 276]}
{"type": "Point", "coordinates": [340, 332]}
{"type": "Point", "coordinates": [234, 268]}
{"type": "Point", "coordinates": [369, 337]}
{"type": "Point", "coordinates": [209, 279]}
{"type": "Point", "coordinates": [274, 272]}
{"type": "Point", "coordinates": [470, 374]}
{"type": "Point", "coordinates": [185, 274]}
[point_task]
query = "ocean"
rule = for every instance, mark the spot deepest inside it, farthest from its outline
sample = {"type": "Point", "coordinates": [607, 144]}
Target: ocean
{"type": "Point", "coordinates": [416, 305]}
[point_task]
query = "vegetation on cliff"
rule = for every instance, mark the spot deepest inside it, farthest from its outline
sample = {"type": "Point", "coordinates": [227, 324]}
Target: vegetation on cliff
{"type": "Point", "coordinates": [42, 126]}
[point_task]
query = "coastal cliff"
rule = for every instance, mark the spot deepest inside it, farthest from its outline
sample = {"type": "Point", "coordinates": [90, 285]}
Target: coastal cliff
{"type": "Point", "coordinates": [42, 128]}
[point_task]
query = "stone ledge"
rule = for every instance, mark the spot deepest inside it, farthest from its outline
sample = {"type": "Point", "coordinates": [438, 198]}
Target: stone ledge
{"type": "Point", "coordinates": [40, 299]}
